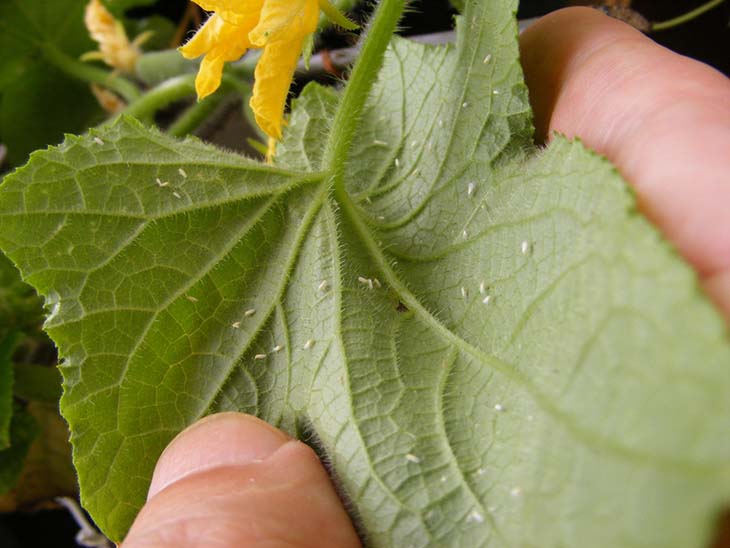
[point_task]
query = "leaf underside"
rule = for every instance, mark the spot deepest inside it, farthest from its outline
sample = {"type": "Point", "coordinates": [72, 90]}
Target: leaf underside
{"type": "Point", "coordinates": [489, 343]}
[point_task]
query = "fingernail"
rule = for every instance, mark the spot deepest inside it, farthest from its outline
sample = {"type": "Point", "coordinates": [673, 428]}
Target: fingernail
{"type": "Point", "coordinates": [224, 439]}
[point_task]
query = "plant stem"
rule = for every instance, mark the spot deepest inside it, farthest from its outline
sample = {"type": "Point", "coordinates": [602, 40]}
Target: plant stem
{"type": "Point", "coordinates": [364, 75]}
{"type": "Point", "coordinates": [160, 96]}
{"type": "Point", "coordinates": [663, 25]}
{"type": "Point", "coordinates": [195, 115]}
{"type": "Point", "coordinates": [91, 74]}
{"type": "Point", "coordinates": [175, 89]}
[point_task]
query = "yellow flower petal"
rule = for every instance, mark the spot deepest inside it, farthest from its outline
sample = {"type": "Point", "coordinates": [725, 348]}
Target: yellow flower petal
{"type": "Point", "coordinates": [273, 76]}
{"type": "Point", "coordinates": [289, 20]}
{"type": "Point", "coordinates": [114, 46]}
{"type": "Point", "coordinates": [279, 26]}
{"type": "Point", "coordinates": [238, 12]}
{"type": "Point", "coordinates": [209, 76]}
{"type": "Point", "coordinates": [219, 41]}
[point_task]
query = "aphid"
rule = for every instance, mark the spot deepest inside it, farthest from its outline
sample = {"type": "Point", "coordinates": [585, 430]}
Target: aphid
{"type": "Point", "coordinates": [495, 92]}
{"type": "Point", "coordinates": [309, 344]}
{"type": "Point", "coordinates": [465, 234]}
{"type": "Point", "coordinates": [487, 58]}
{"type": "Point", "coordinates": [482, 288]}
{"type": "Point", "coordinates": [470, 188]}
{"type": "Point", "coordinates": [191, 298]}
{"type": "Point", "coordinates": [177, 195]}
{"type": "Point", "coordinates": [259, 357]}
{"type": "Point", "coordinates": [410, 457]}
{"type": "Point", "coordinates": [160, 183]}
{"type": "Point", "coordinates": [182, 173]}
{"type": "Point", "coordinates": [250, 312]}
{"type": "Point", "coordinates": [464, 104]}
{"type": "Point", "coordinates": [236, 325]}
{"type": "Point", "coordinates": [441, 123]}
{"type": "Point", "coordinates": [480, 472]}
{"type": "Point", "coordinates": [277, 348]}
{"type": "Point", "coordinates": [397, 162]}
{"type": "Point", "coordinates": [487, 299]}
{"type": "Point", "coordinates": [525, 247]}
{"type": "Point", "coordinates": [323, 285]}
{"type": "Point", "coordinates": [475, 516]}
{"type": "Point", "coordinates": [380, 143]}
{"type": "Point", "coordinates": [499, 407]}
{"type": "Point", "coordinates": [515, 491]}
{"type": "Point", "coordinates": [414, 144]}
{"type": "Point", "coordinates": [464, 294]}
{"type": "Point", "coordinates": [98, 141]}
{"type": "Point", "coordinates": [363, 280]}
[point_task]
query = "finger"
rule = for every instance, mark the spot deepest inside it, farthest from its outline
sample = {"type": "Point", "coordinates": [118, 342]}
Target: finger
{"type": "Point", "coordinates": [233, 480]}
{"type": "Point", "coordinates": [663, 119]}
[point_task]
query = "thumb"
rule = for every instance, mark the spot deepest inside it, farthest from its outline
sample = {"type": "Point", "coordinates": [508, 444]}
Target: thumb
{"type": "Point", "coordinates": [233, 480]}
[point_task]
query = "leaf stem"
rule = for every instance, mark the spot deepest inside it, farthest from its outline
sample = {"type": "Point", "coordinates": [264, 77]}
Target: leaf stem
{"type": "Point", "coordinates": [174, 89]}
{"type": "Point", "coordinates": [663, 25]}
{"type": "Point", "coordinates": [91, 74]}
{"type": "Point", "coordinates": [364, 75]}
{"type": "Point", "coordinates": [195, 115]}
{"type": "Point", "coordinates": [160, 96]}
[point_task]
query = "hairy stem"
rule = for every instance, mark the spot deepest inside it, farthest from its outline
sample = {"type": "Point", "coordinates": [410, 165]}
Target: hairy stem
{"type": "Point", "coordinates": [364, 75]}
{"type": "Point", "coordinates": [663, 25]}
{"type": "Point", "coordinates": [91, 74]}
{"type": "Point", "coordinates": [174, 89]}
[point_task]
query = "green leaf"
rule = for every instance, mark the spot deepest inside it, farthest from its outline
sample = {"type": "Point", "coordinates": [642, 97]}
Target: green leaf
{"type": "Point", "coordinates": [7, 345]}
{"type": "Point", "coordinates": [37, 102]}
{"type": "Point", "coordinates": [458, 4]}
{"type": "Point", "coordinates": [23, 430]}
{"type": "Point", "coordinates": [521, 362]}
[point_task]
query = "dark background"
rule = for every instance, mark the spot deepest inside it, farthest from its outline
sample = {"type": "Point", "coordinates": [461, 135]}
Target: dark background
{"type": "Point", "coordinates": [706, 38]}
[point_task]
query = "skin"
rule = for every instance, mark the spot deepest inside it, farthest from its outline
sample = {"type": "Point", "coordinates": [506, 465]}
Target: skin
{"type": "Point", "coordinates": [664, 120]}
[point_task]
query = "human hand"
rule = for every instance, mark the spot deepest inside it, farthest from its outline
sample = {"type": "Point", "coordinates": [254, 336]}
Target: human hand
{"type": "Point", "coordinates": [232, 480]}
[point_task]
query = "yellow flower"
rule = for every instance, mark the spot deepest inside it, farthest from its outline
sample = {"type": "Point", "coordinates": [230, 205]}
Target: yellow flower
{"type": "Point", "coordinates": [115, 49]}
{"type": "Point", "coordinates": [280, 27]}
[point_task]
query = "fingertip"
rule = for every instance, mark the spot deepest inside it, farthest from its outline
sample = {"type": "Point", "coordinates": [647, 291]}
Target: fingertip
{"type": "Point", "coordinates": [223, 439]}
{"type": "Point", "coordinates": [661, 118]}
{"type": "Point", "coordinates": [234, 480]}
{"type": "Point", "coordinates": [556, 47]}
